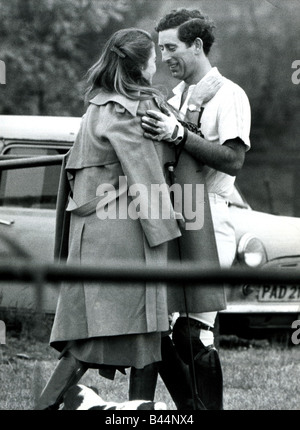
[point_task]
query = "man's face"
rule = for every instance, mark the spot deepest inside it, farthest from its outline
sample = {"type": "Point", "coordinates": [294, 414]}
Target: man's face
{"type": "Point", "coordinates": [178, 56]}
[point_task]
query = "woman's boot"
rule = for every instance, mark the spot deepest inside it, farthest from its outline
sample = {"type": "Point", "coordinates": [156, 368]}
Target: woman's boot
{"type": "Point", "coordinates": [67, 373]}
{"type": "Point", "coordinates": [142, 382]}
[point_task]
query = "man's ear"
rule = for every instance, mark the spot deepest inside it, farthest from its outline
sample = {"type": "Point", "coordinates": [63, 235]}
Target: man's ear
{"type": "Point", "coordinates": [198, 45]}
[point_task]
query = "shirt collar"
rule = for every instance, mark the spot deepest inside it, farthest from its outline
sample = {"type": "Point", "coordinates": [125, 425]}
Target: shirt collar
{"type": "Point", "coordinates": [180, 87]}
{"type": "Point", "coordinates": [103, 98]}
{"type": "Point", "coordinates": [212, 72]}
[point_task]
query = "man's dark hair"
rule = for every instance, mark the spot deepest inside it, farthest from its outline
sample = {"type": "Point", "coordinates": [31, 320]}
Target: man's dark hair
{"type": "Point", "coordinates": [191, 24]}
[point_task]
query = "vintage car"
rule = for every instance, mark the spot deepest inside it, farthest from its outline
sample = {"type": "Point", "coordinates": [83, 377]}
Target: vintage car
{"type": "Point", "coordinates": [27, 224]}
{"type": "Point", "coordinates": [265, 241]}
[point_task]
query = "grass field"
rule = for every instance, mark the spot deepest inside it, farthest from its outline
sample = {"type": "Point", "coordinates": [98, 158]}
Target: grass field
{"type": "Point", "coordinates": [258, 376]}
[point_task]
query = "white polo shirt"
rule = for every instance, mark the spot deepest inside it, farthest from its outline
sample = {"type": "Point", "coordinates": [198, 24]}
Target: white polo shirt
{"type": "Point", "coordinates": [226, 116]}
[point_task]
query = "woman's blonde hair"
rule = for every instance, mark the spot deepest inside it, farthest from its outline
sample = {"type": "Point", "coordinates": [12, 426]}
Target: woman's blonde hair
{"type": "Point", "coordinates": [119, 68]}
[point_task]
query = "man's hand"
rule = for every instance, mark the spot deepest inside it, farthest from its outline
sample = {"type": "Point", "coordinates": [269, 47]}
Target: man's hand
{"type": "Point", "coordinates": [159, 126]}
{"type": "Point", "coordinates": [205, 90]}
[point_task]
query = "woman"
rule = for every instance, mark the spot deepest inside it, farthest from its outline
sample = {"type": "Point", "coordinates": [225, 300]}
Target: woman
{"type": "Point", "coordinates": [113, 326]}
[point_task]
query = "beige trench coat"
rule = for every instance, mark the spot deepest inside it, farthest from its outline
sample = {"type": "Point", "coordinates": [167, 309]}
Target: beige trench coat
{"type": "Point", "coordinates": [110, 145]}
{"type": "Point", "coordinates": [196, 246]}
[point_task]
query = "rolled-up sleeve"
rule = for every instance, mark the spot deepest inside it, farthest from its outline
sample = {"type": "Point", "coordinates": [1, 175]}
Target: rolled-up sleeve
{"type": "Point", "coordinates": [234, 115]}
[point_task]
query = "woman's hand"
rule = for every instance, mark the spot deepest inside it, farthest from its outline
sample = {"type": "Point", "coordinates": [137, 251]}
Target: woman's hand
{"type": "Point", "coordinates": [205, 90]}
{"type": "Point", "coordinates": [159, 126]}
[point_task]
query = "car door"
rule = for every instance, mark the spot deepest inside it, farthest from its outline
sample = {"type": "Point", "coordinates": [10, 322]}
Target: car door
{"type": "Point", "coordinates": [27, 221]}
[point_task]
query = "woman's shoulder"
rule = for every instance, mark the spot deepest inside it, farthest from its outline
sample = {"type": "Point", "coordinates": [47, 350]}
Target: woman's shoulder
{"type": "Point", "coordinates": [148, 104]}
{"type": "Point", "coordinates": [104, 98]}
{"type": "Point", "coordinates": [123, 103]}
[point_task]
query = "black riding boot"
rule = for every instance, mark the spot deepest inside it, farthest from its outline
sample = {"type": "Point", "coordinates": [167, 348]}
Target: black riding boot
{"type": "Point", "coordinates": [209, 378]}
{"type": "Point", "coordinates": [67, 373]}
{"type": "Point", "coordinates": [176, 377]}
{"type": "Point", "coordinates": [207, 366]}
{"type": "Point", "coordinates": [142, 382]}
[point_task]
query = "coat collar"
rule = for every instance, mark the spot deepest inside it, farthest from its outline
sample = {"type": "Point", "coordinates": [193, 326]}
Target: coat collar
{"type": "Point", "coordinates": [103, 98]}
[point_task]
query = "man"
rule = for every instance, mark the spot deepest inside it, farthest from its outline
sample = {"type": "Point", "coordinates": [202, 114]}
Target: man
{"type": "Point", "coordinates": [185, 38]}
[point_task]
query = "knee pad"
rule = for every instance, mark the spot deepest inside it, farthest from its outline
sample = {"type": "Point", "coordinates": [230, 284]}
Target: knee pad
{"type": "Point", "coordinates": [208, 360]}
{"type": "Point", "coordinates": [184, 339]}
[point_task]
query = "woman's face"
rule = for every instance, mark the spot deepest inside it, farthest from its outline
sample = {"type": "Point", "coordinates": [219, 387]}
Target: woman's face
{"type": "Point", "coordinates": [149, 71]}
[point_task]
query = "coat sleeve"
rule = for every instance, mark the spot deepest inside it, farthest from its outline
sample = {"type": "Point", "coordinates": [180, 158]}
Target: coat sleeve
{"type": "Point", "coordinates": [143, 171]}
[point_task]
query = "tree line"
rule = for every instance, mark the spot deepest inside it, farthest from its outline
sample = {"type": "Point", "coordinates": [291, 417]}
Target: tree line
{"type": "Point", "coordinates": [48, 45]}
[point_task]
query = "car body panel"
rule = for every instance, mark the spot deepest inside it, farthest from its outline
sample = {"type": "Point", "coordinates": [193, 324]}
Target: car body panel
{"type": "Point", "coordinates": [281, 238]}
{"type": "Point", "coordinates": [279, 234]}
{"type": "Point", "coordinates": [38, 128]}
{"type": "Point", "coordinates": [33, 231]}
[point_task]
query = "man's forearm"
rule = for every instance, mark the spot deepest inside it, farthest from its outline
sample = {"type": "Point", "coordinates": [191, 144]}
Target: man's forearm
{"type": "Point", "coordinates": [227, 158]}
{"type": "Point", "coordinates": [223, 158]}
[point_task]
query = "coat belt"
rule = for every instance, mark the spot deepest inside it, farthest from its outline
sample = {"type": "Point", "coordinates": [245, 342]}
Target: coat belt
{"type": "Point", "coordinates": [90, 207]}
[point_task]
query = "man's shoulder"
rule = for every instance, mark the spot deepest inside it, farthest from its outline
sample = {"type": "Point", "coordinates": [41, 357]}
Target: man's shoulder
{"type": "Point", "coordinates": [231, 88]}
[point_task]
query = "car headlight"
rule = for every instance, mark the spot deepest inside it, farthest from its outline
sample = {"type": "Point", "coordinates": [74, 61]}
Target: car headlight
{"type": "Point", "coordinates": [251, 251]}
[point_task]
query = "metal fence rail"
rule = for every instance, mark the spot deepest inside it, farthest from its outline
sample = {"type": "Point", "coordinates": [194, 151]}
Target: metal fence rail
{"type": "Point", "coordinates": [187, 273]}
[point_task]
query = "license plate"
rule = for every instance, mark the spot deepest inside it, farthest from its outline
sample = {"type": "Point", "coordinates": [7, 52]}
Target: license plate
{"type": "Point", "coordinates": [279, 293]}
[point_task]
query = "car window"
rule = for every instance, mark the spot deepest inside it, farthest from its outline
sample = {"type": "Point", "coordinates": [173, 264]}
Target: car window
{"type": "Point", "coordinates": [30, 187]}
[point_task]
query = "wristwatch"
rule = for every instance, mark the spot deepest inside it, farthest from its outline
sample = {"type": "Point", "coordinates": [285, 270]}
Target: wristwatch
{"type": "Point", "coordinates": [193, 108]}
{"type": "Point", "coordinates": [178, 133]}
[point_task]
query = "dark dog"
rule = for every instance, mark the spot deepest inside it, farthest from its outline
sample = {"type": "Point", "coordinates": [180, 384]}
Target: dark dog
{"type": "Point", "coordinates": [80, 397]}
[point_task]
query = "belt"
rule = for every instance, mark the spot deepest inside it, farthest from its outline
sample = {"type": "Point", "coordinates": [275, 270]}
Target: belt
{"type": "Point", "coordinates": [195, 323]}
{"type": "Point", "coordinates": [95, 204]}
